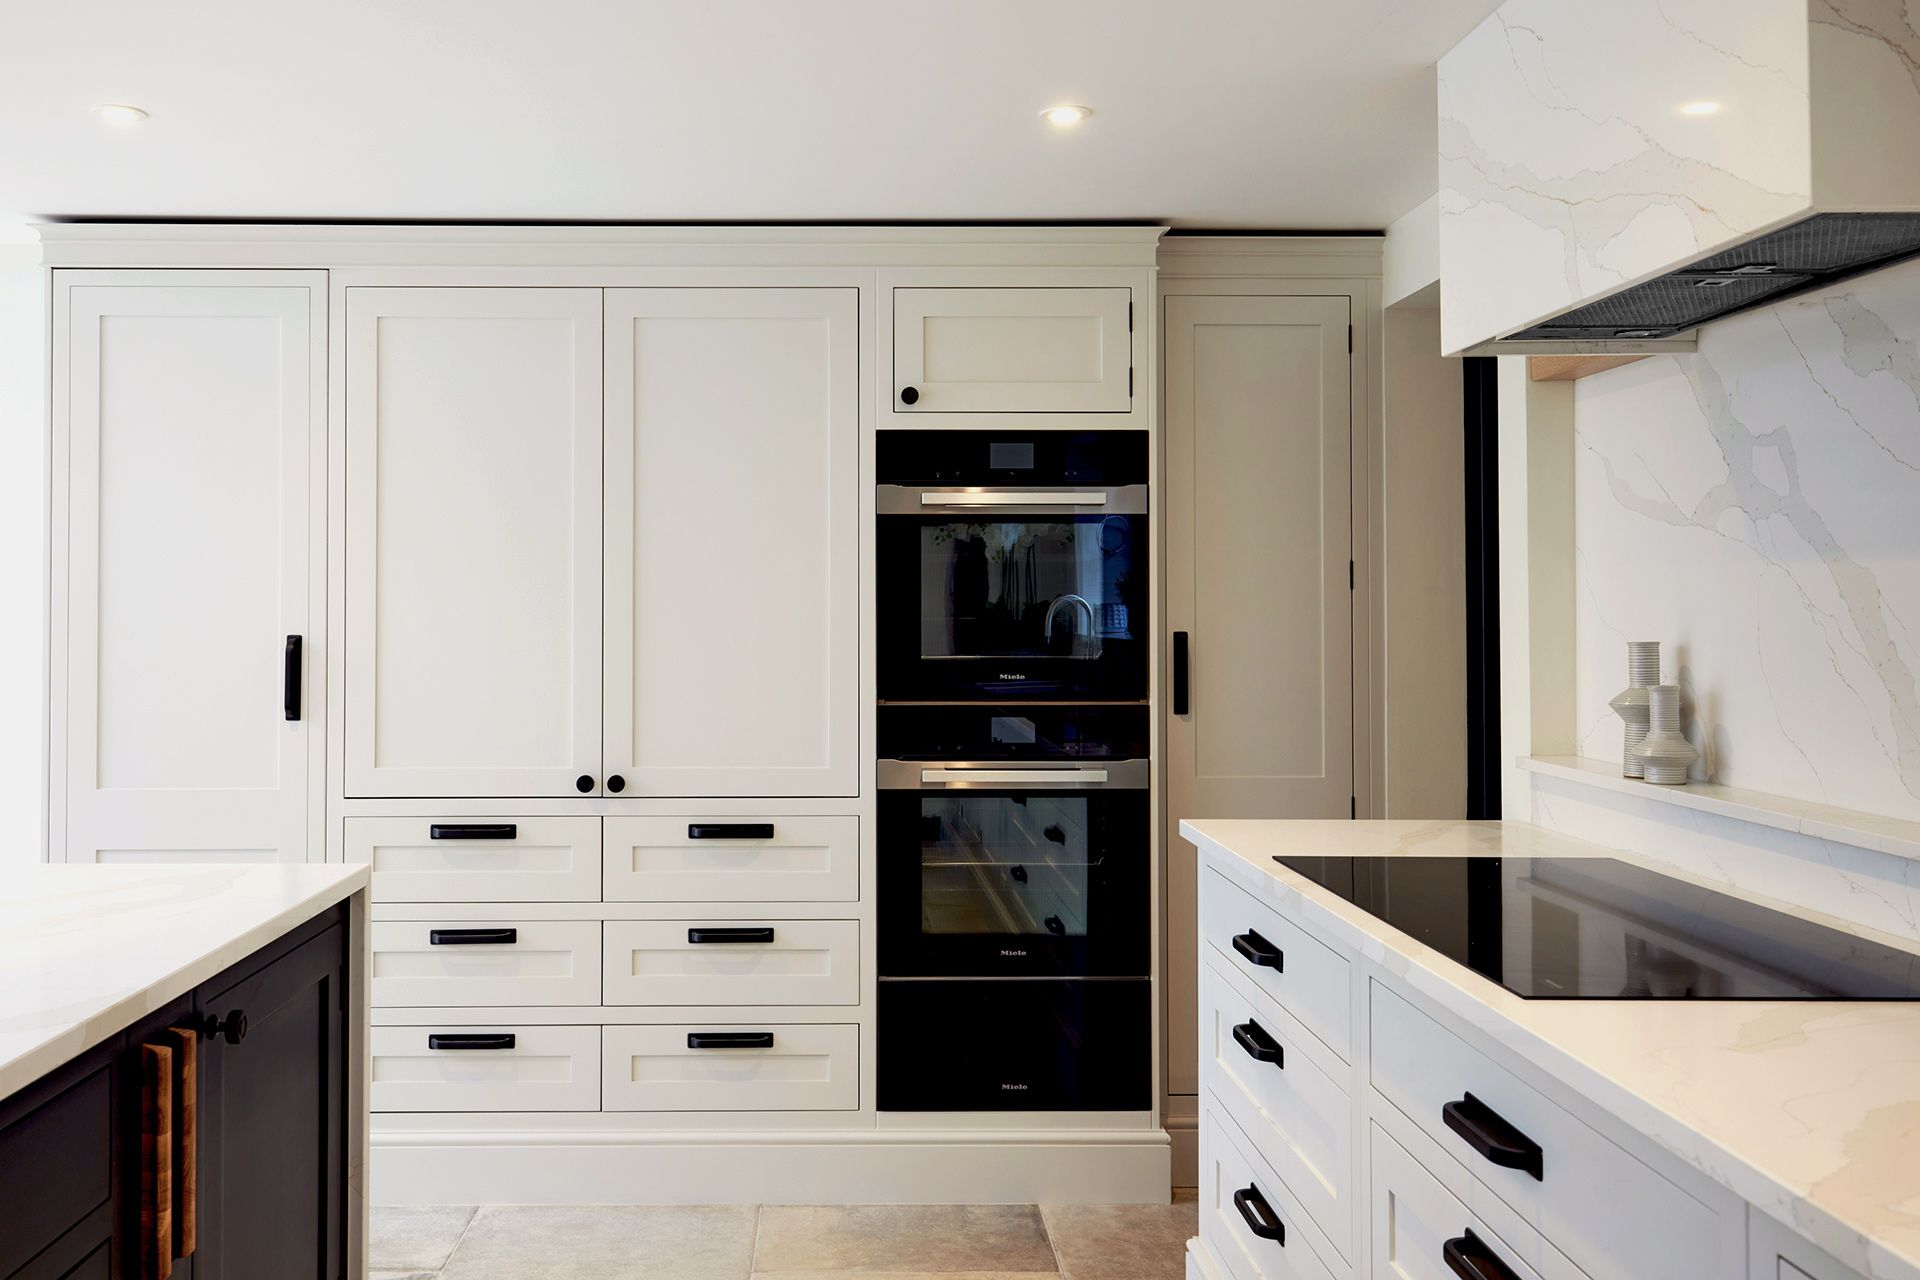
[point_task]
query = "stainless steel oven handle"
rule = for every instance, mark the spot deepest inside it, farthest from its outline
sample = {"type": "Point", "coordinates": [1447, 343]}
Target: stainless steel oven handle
{"type": "Point", "coordinates": [1012, 498]}
{"type": "Point", "coordinates": [919, 775]}
{"type": "Point", "coordinates": [1093, 777]}
{"type": "Point", "coordinates": [1056, 500]}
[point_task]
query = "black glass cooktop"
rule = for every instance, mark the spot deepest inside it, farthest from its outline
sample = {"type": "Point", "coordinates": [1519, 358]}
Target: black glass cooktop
{"type": "Point", "coordinates": [1601, 929]}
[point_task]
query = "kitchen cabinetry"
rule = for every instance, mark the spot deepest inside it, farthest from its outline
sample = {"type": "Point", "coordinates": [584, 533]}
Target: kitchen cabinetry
{"type": "Point", "coordinates": [1012, 350]}
{"type": "Point", "coordinates": [188, 646]}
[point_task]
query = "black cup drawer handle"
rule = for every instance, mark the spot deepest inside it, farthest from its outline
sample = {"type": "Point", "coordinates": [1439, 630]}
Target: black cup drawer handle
{"type": "Point", "coordinates": [494, 1040]}
{"type": "Point", "coordinates": [472, 937]}
{"type": "Point", "coordinates": [1469, 1258]}
{"type": "Point", "coordinates": [730, 935]}
{"type": "Point", "coordinates": [729, 1039]}
{"type": "Point", "coordinates": [473, 831]}
{"type": "Point", "coordinates": [1261, 1219]}
{"type": "Point", "coordinates": [290, 679]}
{"type": "Point", "coordinates": [1259, 951]}
{"type": "Point", "coordinates": [1260, 1046]}
{"type": "Point", "coordinates": [1488, 1133]}
{"type": "Point", "coordinates": [730, 831]}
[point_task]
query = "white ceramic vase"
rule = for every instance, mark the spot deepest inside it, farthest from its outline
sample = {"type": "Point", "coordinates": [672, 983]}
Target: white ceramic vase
{"type": "Point", "coordinates": [1665, 755]}
{"type": "Point", "coordinates": [1630, 704]}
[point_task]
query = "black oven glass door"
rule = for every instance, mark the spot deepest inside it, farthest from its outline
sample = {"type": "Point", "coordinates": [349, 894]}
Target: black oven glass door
{"type": "Point", "coordinates": [993, 876]}
{"type": "Point", "coordinates": [1013, 594]}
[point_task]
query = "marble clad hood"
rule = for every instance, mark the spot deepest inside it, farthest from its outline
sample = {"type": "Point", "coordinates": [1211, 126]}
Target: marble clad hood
{"type": "Point", "coordinates": [1613, 176]}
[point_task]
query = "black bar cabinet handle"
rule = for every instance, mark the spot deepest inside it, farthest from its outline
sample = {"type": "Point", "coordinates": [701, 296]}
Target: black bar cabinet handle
{"type": "Point", "coordinates": [1182, 693]}
{"type": "Point", "coordinates": [290, 679]}
{"type": "Point", "coordinates": [1261, 1219]}
{"type": "Point", "coordinates": [1488, 1133]}
{"type": "Point", "coordinates": [480, 1040]}
{"type": "Point", "coordinates": [473, 831]}
{"type": "Point", "coordinates": [729, 1039]}
{"type": "Point", "coordinates": [1469, 1258]}
{"type": "Point", "coordinates": [730, 935]}
{"type": "Point", "coordinates": [1259, 951]}
{"type": "Point", "coordinates": [1260, 1046]}
{"type": "Point", "coordinates": [471, 937]}
{"type": "Point", "coordinates": [730, 831]}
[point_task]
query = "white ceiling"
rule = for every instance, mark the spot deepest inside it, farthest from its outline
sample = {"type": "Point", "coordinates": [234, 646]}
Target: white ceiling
{"type": "Point", "coordinates": [1291, 114]}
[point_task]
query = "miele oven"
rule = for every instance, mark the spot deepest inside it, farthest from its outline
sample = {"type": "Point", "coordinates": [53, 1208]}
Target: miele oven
{"type": "Point", "coordinates": [1012, 565]}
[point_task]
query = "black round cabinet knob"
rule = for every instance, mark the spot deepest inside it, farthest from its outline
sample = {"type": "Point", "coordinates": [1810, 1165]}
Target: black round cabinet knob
{"type": "Point", "coordinates": [616, 783]}
{"type": "Point", "coordinates": [909, 395]}
{"type": "Point", "coordinates": [584, 782]}
{"type": "Point", "coordinates": [232, 1028]}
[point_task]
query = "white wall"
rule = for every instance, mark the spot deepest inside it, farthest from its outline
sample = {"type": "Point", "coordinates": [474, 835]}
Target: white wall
{"type": "Point", "coordinates": [1756, 506]}
{"type": "Point", "coordinates": [23, 521]}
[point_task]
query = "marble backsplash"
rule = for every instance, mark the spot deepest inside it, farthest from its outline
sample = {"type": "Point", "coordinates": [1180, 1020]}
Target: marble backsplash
{"type": "Point", "coordinates": [1756, 506]}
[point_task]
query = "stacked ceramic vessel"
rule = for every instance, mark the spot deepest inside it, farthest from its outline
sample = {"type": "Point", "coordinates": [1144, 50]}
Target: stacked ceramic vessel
{"type": "Point", "coordinates": [1630, 704]}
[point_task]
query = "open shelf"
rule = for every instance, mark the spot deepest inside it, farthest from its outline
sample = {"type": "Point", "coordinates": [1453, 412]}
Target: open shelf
{"type": "Point", "coordinates": [1897, 836]}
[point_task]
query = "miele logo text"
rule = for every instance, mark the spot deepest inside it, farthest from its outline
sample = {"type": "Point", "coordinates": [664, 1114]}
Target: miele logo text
{"type": "Point", "coordinates": [1013, 1088]}
{"type": "Point", "coordinates": [1005, 951]}
{"type": "Point", "coordinates": [1011, 675]}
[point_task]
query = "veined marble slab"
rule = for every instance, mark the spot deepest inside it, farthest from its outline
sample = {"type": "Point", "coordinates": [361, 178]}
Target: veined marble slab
{"type": "Point", "coordinates": [1808, 1110]}
{"type": "Point", "coordinates": [86, 951]}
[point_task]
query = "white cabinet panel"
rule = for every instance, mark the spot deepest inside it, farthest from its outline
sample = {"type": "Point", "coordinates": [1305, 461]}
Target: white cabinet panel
{"type": "Point", "coordinates": [485, 962]}
{"type": "Point", "coordinates": [479, 859]}
{"type": "Point", "coordinates": [732, 552]}
{"type": "Point", "coordinates": [484, 1068]}
{"type": "Point", "coordinates": [778, 1067]}
{"type": "Point", "coordinates": [1021, 350]}
{"type": "Point", "coordinates": [473, 541]}
{"type": "Point", "coordinates": [1301, 974]}
{"type": "Point", "coordinates": [1248, 1218]}
{"type": "Point", "coordinates": [1416, 1221]}
{"type": "Point", "coordinates": [717, 962]}
{"type": "Point", "coordinates": [774, 859]}
{"type": "Point", "coordinates": [190, 416]}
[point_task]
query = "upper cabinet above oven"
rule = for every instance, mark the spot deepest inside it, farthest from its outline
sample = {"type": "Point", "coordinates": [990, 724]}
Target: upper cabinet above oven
{"type": "Point", "coordinates": [1023, 350]}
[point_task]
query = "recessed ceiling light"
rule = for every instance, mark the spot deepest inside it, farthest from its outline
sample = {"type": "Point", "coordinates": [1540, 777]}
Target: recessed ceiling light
{"type": "Point", "coordinates": [1065, 116]}
{"type": "Point", "coordinates": [1699, 108]}
{"type": "Point", "coordinates": [119, 113]}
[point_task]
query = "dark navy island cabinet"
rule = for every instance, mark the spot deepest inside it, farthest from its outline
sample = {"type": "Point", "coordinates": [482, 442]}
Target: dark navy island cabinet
{"type": "Point", "coordinates": [205, 1142]}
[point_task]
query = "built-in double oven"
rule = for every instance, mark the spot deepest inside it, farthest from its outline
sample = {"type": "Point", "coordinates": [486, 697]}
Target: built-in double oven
{"type": "Point", "coordinates": [1014, 849]}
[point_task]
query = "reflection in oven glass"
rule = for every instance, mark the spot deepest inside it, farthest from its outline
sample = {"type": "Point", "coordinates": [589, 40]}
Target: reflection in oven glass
{"type": "Point", "coordinates": [1012, 588]}
{"type": "Point", "coordinates": [1004, 865]}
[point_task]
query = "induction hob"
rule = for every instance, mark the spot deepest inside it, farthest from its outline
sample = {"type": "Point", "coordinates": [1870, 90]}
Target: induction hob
{"type": "Point", "coordinates": [1602, 929]}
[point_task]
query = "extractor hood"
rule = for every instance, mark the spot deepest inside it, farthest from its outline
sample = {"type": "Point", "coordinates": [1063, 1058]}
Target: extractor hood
{"type": "Point", "coordinates": [1613, 176]}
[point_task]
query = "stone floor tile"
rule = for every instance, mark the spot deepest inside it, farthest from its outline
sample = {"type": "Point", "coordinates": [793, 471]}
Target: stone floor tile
{"type": "Point", "coordinates": [1122, 1241]}
{"type": "Point", "coordinates": [414, 1238]}
{"type": "Point", "coordinates": [606, 1242]}
{"type": "Point", "coordinates": [902, 1239]}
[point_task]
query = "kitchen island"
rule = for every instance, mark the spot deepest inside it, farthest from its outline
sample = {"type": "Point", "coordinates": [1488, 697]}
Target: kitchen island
{"type": "Point", "coordinates": [1377, 1105]}
{"type": "Point", "coordinates": [182, 1076]}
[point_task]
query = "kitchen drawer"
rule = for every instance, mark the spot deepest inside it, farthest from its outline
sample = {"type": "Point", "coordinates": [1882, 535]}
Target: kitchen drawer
{"type": "Point", "coordinates": [511, 1068]}
{"type": "Point", "coordinates": [56, 1160]}
{"type": "Point", "coordinates": [1299, 1118]}
{"type": "Point", "coordinates": [733, 859]}
{"type": "Point", "coordinates": [1782, 1254]}
{"type": "Point", "coordinates": [479, 859]}
{"type": "Point", "coordinates": [1615, 1217]}
{"type": "Point", "coordinates": [1018, 350]}
{"type": "Point", "coordinates": [768, 1067]}
{"type": "Point", "coordinates": [1417, 1221]}
{"type": "Point", "coordinates": [1303, 975]}
{"type": "Point", "coordinates": [710, 962]}
{"type": "Point", "coordinates": [494, 962]}
{"type": "Point", "coordinates": [1236, 1190]}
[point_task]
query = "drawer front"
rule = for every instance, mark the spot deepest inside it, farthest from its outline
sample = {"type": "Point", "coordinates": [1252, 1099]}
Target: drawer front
{"type": "Point", "coordinates": [1297, 1116]}
{"type": "Point", "coordinates": [56, 1161]}
{"type": "Point", "coordinates": [525, 1069]}
{"type": "Point", "coordinates": [657, 962]}
{"type": "Point", "coordinates": [496, 962]}
{"type": "Point", "coordinates": [1237, 1190]}
{"type": "Point", "coordinates": [1416, 1222]}
{"type": "Point", "coordinates": [767, 1067]}
{"type": "Point", "coordinates": [1303, 975]}
{"type": "Point", "coordinates": [1018, 350]}
{"type": "Point", "coordinates": [479, 859]}
{"type": "Point", "coordinates": [1615, 1217]}
{"type": "Point", "coordinates": [733, 859]}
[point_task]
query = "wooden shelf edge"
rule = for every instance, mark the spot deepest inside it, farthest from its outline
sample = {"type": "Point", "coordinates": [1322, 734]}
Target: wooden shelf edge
{"type": "Point", "coordinates": [1567, 368]}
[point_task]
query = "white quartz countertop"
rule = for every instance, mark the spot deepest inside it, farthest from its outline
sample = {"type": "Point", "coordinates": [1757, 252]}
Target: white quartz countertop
{"type": "Point", "coordinates": [86, 951]}
{"type": "Point", "coordinates": [1808, 1110]}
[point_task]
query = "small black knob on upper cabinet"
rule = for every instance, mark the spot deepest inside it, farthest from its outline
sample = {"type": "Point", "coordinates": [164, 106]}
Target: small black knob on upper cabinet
{"type": "Point", "coordinates": [616, 783]}
{"type": "Point", "coordinates": [909, 395]}
{"type": "Point", "coordinates": [232, 1028]}
{"type": "Point", "coordinates": [584, 782]}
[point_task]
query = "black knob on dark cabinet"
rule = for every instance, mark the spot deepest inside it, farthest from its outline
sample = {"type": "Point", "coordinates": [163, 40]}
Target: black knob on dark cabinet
{"type": "Point", "coordinates": [616, 783]}
{"type": "Point", "coordinates": [909, 395]}
{"type": "Point", "coordinates": [584, 782]}
{"type": "Point", "coordinates": [232, 1028]}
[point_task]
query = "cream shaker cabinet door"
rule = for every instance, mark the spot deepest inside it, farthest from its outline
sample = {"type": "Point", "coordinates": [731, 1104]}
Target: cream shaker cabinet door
{"type": "Point", "coordinates": [732, 542]}
{"type": "Point", "coordinates": [1020, 350]}
{"type": "Point", "coordinates": [473, 542]}
{"type": "Point", "coordinates": [190, 436]}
